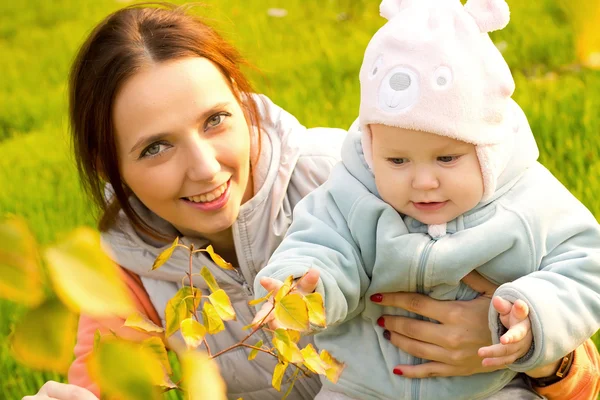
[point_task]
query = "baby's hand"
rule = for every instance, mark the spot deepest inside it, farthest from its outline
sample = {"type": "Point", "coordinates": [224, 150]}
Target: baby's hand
{"type": "Point", "coordinates": [305, 285]}
{"type": "Point", "coordinates": [516, 341]}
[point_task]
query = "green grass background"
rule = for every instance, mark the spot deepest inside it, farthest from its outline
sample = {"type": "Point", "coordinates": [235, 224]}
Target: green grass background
{"type": "Point", "coordinates": [309, 61]}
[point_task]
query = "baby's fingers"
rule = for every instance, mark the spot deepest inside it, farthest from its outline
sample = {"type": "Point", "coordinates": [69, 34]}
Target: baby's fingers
{"type": "Point", "coordinates": [308, 283]}
{"type": "Point", "coordinates": [271, 284]}
{"type": "Point", "coordinates": [517, 332]}
{"type": "Point", "coordinates": [519, 312]}
{"type": "Point", "coordinates": [500, 354]}
{"type": "Point", "coordinates": [263, 312]}
{"type": "Point", "coordinates": [503, 307]}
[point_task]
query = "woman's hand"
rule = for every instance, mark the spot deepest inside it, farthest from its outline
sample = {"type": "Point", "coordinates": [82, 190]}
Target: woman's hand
{"type": "Point", "coordinates": [452, 345]}
{"type": "Point", "coordinates": [61, 391]}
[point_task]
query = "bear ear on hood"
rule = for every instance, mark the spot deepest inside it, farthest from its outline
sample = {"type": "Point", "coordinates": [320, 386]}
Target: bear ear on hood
{"type": "Point", "coordinates": [490, 15]}
{"type": "Point", "coordinates": [389, 8]}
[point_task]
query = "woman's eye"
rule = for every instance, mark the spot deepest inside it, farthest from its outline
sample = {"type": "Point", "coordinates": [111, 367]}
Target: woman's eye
{"type": "Point", "coordinates": [216, 119]}
{"type": "Point", "coordinates": [397, 161]}
{"type": "Point", "coordinates": [153, 150]}
{"type": "Point", "coordinates": [447, 159]}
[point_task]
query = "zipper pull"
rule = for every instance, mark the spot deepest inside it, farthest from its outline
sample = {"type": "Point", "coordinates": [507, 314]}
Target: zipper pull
{"type": "Point", "coordinates": [248, 289]}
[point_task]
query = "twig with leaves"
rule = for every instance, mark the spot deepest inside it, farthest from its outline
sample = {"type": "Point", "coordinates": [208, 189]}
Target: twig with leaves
{"type": "Point", "coordinates": [130, 370]}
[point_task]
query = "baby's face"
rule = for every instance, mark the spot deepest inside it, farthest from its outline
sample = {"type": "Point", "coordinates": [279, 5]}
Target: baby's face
{"type": "Point", "coordinates": [428, 177]}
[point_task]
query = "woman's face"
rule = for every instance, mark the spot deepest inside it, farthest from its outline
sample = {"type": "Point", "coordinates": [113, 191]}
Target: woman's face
{"type": "Point", "coordinates": [184, 144]}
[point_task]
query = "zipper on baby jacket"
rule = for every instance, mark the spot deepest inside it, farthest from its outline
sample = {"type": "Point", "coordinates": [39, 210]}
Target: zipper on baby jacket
{"type": "Point", "coordinates": [416, 383]}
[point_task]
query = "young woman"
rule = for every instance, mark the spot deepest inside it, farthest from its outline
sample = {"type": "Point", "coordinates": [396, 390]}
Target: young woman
{"type": "Point", "coordinates": [162, 116]}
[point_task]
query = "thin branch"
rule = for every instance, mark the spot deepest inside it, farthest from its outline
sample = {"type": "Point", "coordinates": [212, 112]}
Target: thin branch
{"type": "Point", "coordinates": [207, 347]}
{"type": "Point", "coordinates": [257, 348]}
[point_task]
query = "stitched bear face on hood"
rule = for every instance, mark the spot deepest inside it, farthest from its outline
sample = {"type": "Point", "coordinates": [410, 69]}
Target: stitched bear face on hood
{"type": "Point", "coordinates": [432, 67]}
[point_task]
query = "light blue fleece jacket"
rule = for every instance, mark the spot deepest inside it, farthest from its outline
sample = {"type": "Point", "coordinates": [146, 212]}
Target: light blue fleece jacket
{"type": "Point", "coordinates": [533, 238]}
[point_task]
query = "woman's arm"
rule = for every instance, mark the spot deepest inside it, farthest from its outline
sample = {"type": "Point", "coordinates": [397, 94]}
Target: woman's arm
{"type": "Point", "coordinates": [61, 391]}
{"type": "Point", "coordinates": [582, 382]}
{"type": "Point", "coordinates": [452, 344]}
{"type": "Point", "coordinates": [78, 374]}
{"type": "Point", "coordinates": [81, 386]}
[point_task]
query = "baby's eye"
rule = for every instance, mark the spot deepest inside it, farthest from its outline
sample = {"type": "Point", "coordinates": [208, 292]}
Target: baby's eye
{"type": "Point", "coordinates": [447, 159]}
{"type": "Point", "coordinates": [397, 161]}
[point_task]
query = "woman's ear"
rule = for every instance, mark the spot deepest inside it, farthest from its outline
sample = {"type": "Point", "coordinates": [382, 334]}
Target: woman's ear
{"type": "Point", "coordinates": [489, 15]}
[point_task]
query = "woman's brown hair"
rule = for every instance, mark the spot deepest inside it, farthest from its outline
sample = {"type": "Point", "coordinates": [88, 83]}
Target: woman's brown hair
{"type": "Point", "coordinates": [120, 45]}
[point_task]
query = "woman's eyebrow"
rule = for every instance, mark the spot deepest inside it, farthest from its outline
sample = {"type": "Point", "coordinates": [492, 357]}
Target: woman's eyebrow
{"type": "Point", "coordinates": [213, 109]}
{"type": "Point", "coordinates": [147, 140]}
{"type": "Point", "coordinates": [158, 136]}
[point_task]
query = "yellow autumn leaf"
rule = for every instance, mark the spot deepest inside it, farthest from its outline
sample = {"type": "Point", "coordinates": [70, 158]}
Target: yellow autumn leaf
{"type": "Point", "coordinates": [181, 306]}
{"type": "Point", "coordinates": [288, 350]}
{"type": "Point", "coordinates": [85, 279]}
{"type": "Point", "coordinates": [278, 374]}
{"type": "Point", "coordinates": [19, 264]}
{"type": "Point", "coordinates": [316, 309]}
{"type": "Point", "coordinates": [254, 352]}
{"type": "Point", "coordinates": [220, 300]}
{"type": "Point", "coordinates": [246, 327]}
{"type": "Point", "coordinates": [193, 332]}
{"type": "Point", "coordinates": [294, 335]}
{"type": "Point", "coordinates": [258, 301]}
{"type": "Point", "coordinates": [126, 370]}
{"type": "Point", "coordinates": [313, 361]}
{"type": "Point", "coordinates": [285, 289]}
{"type": "Point", "coordinates": [212, 320]}
{"type": "Point", "coordinates": [334, 367]}
{"type": "Point", "coordinates": [210, 280]}
{"type": "Point", "coordinates": [168, 383]}
{"type": "Point", "coordinates": [291, 385]}
{"type": "Point", "coordinates": [97, 338]}
{"type": "Point", "coordinates": [291, 312]}
{"type": "Point", "coordinates": [201, 378]}
{"type": "Point", "coordinates": [142, 323]}
{"type": "Point", "coordinates": [164, 256]}
{"type": "Point", "coordinates": [44, 337]}
{"type": "Point", "coordinates": [218, 259]}
{"type": "Point", "coordinates": [157, 347]}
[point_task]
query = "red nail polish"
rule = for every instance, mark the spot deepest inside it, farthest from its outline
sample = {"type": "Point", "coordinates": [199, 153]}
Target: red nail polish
{"type": "Point", "coordinates": [376, 298]}
{"type": "Point", "coordinates": [387, 334]}
{"type": "Point", "coordinates": [398, 371]}
{"type": "Point", "coordinates": [381, 322]}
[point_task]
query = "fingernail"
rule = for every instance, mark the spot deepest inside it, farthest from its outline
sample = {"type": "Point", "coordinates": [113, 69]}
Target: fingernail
{"type": "Point", "coordinates": [381, 322]}
{"type": "Point", "coordinates": [376, 298]}
{"type": "Point", "coordinates": [387, 334]}
{"type": "Point", "coordinates": [398, 371]}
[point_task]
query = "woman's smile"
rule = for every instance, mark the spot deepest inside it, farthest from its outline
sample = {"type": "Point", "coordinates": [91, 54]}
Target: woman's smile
{"type": "Point", "coordinates": [211, 201]}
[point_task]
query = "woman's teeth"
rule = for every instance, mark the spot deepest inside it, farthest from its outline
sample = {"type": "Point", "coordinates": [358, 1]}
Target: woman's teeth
{"type": "Point", "coordinates": [207, 197]}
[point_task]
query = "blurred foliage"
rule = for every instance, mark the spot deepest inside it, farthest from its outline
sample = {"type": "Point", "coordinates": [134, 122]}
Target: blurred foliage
{"type": "Point", "coordinates": [308, 63]}
{"type": "Point", "coordinates": [85, 280]}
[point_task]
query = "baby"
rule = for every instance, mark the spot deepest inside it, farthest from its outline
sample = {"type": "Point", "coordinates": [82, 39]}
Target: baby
{"type": "Point", "coordinates": [441, 179]}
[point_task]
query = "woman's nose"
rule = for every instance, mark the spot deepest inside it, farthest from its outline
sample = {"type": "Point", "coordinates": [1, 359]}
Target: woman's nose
{"type": "Point", "coordinates": [202, 162]}
{"type": "Point", "coordinates": [424, 178]}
